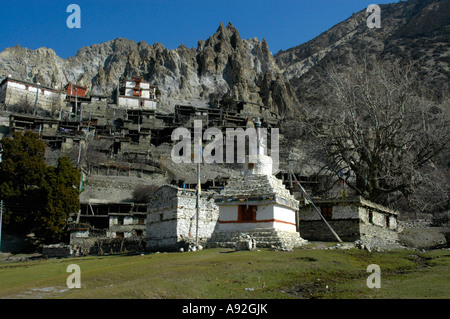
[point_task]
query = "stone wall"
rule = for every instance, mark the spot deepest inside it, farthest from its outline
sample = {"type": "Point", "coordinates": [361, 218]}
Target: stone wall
{"type": "Point", "coordinates": [377, 236]}
{"type": "Point", "coordinates": [317, 230]}
{"type": "Point", "coordinates": [95, 108]}
{"type": "Point", "coordinates": [378, 230]}
{"type": "Point", "coordinates": [187, 217]}
{"type": "Point", "coordinates": [70, 143]}
{"type": "Point", "coordinates": [255, 185]}
{"type": "Point", "coordinates": [132, 225]}
{"type": "Point", "coordinates": [171, 218]}
{"type": "Point", "coordinates": [161, 219]}
{"type": "Point", "coordinates": [340, 212]}
{"type": "Point", "coordinates": [352, 220]}
{"type": "Point", "coordinates": [3, 94]}
{"type": "Point", "coordinates": [103, 245]}
{"type": "Point", "coordinates": [17, 93]}
{"type": "Point", "coordinates": [264, 238]}
{"type": "Point", "coordinates": [57, 251]}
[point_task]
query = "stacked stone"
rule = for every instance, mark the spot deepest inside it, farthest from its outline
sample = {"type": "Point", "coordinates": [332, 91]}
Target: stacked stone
{"type": "Point", "coordinates": [255, 185]}
{"type": "Point", "coordinates": [264, 238]}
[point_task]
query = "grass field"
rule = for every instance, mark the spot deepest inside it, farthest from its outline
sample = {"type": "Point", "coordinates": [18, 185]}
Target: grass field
{"type": "Point", "coordinates": [225, 274]}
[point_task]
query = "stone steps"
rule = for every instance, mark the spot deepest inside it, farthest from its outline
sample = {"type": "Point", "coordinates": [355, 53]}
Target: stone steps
{"type": "Point", "coordinates": [265, 238]}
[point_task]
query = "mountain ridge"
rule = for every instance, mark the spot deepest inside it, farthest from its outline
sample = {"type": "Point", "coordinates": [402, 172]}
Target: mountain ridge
{"type": "Point", "coordinates": [413, 32]}
{"type": "Point", "coordinates": [224, 63]}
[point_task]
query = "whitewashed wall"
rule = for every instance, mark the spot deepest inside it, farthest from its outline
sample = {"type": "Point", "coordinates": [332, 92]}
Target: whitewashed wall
{"type": "Point", "coordinates": [339, 212]}
{"type": "Point", "coordinates": [14, 93]}
{"type": "Point", "coordinates": [286, 215]}
{"type": "Point", "coordinates": [133, 103]}
{"type": "Point", "coordinates": [171, 218]}
{"type": "Point", "coordinates": [229, 213]}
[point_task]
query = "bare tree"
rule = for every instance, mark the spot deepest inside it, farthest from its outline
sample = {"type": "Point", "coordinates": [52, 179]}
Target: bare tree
{"type": "Point", "coordinates": [24, 105]}
{"type": "Point", "coordinates": [142, 193]}
{"type": "Point", "coordinates": [379, 134]}
{"type": "Point", "coordinates": [55, 105]}
{"type": "Point", "coordinates": [95, 152]}
{"type": "Point", "coordinates": [216, 97]}
{"type": "Point", "coordinates": [89, 153]}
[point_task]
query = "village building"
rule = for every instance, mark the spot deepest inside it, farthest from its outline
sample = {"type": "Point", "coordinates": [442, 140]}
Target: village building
{"type": "Point", "coordinates": [75, 90]}
{"type": "Point", "coordinates": [108, 226]}
{"type": "Point", "coordinates": [137, 94]}
{"type": "Point", "coordinates": [258, 205]}
{"type": "Point", "coordinates": [129, 224]}
{"type": "Point", "coordinates": [31, 95]}
{"type": "Point", "coordinates": [76, 96]}
{"type": "Point", "coordinates": [38, 124]}
{"type": "Point", "coordinates": [255, 205]}
{"type": "Point", "coordinates": [95, 107]}
{"type": "Point", "coordinates": [353, 219]}
{"type": "Point", "coordinates": [248, 109]}
{"type": "Point", "coordinates": [172, 221]}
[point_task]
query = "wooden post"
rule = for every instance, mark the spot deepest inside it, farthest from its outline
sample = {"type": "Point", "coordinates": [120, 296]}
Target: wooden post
{"type": "Point", "coordinates": [1, 216]}
{"type": "Point", "coordinates": [317, 210]}
{"type": "Point", "coordinates": [198, 203]}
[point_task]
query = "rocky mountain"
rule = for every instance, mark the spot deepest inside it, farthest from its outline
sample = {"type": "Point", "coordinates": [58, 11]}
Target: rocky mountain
{"type": "Point", "coordinates": [223, 64]}
{"type": "Point", "coordinates": [415, 32]}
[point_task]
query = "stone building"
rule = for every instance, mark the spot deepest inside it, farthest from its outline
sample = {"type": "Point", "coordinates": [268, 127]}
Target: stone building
{"type": "Point", "coordinates": [137, 94]}
{"type": "Point", "coordinates": [172, 218]}
{"type": "Point", "coordinates": [257, 204]}
{"type": "Point", "coordinates": [108, 226]}
{"type": "Point", "coordinates": [352, 219]}
{"type": "Point", "coordinates": [31, 95]}
{"type": "Point", "coordinates": [249, 109]}
{"type": "Point", "coordinates": [128, 224]}
{"type": "Point", "coordinates": [96, 107]}
{"type": "Point", "coordinates": [73, 90]}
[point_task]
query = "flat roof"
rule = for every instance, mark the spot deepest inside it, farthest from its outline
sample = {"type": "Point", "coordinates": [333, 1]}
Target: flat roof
{"type": "Point", "coordinates": [28, 83]}
{"type": "Point", "coordinates": [358, 200]}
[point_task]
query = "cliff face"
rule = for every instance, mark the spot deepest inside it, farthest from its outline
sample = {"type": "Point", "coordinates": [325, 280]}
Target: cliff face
{"type": "Point", "coordinates": [223, 64]}
{"type": "Point", "coordinates": [416, 32]}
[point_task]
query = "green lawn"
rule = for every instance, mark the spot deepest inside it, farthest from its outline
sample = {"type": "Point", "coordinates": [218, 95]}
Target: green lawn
{"type": "Point", "coordinates": [225, 274]}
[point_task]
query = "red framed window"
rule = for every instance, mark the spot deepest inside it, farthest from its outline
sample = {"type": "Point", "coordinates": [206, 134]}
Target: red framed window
{"type": "Point", "coordinates": [246, 213]}
{"type": "Point", "coordinates": [327, 212]}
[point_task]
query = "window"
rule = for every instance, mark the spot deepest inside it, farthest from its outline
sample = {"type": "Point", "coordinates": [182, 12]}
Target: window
{"type": "Point", "coordinates": [251, 165]}
{"type": "Point", "coordinates": [370, 216]}
{"type": "Point", "coordinates": [246, 213]}
{"type": "Point", "coordinates": [327, 212]}
{"type": "Point", "coordinates": [388, 221]}
{"type": "Point", "coordinates": [138, 232]}
{"type": "Point", "coordinates": [120, 235]}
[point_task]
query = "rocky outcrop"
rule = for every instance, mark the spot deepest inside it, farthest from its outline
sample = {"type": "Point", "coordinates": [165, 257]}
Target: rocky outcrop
{"type": "Point", "coordinates": [415, 32]}
{"type": "Point", "coordinates": [223, 64]}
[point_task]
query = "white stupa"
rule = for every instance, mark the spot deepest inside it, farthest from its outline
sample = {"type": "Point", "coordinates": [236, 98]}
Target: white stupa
{"type": "Point", "coordinates": [257, 204]}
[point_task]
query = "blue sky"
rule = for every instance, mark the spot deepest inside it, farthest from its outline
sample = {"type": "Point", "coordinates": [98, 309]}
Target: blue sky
{"type": "Point", "coordinates": [284, 23]}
